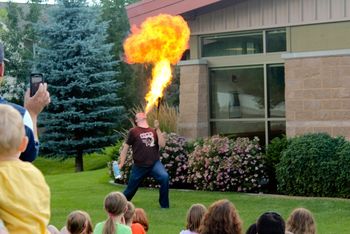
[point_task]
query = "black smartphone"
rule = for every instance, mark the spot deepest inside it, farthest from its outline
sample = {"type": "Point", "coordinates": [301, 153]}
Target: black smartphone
{"type": "Point", "coordinates": [35, 80]}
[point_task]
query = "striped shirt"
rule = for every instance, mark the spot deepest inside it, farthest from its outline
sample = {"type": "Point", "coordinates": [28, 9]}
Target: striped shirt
{"type": "Point", "coordinates": [32, 149]}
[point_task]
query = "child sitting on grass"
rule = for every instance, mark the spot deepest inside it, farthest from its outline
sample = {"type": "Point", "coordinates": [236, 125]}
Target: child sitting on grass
{"type": "Point", "coordinates": [139, 217]}
{"type": "Point", "coordinates": [24, 196]}
{"type": "Point", "coordinates": [78, 222]}
{"type": "Point", "coordinates": [115, 205]}
{"type": "Point", "coordinates": [301, 221]}
{"type": "Point", "coordinates": [136, 228]}
{"type": "Point", "coordinates": [194, 217]}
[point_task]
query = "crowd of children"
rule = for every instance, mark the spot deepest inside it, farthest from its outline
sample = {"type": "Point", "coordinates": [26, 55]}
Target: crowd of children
{"type": "Point", "coordinates": [25, 202]}
{"type": "Point", "coordinates": [222, 218]}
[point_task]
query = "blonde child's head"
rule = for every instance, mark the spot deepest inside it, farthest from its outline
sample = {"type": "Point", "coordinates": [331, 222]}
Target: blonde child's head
{"type": "Point", "coordinates": [194, 217]}
{"type": "Point", "coordinates": [79, 222]}
{"type": "Point", "coordinates": [115, 205]}
{"type": "Point", "coordinates": [12, 135]}
{"type": "Point", "coordinates": [301, 221]}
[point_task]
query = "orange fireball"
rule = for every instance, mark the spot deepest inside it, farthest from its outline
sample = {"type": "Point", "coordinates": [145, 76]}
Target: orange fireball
{"type": "Point", "coordinates": [161, 41]}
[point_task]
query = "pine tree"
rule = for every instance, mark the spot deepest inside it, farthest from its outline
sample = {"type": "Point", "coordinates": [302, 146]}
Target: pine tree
{"type": "Point", "coordinates": [78, 67]}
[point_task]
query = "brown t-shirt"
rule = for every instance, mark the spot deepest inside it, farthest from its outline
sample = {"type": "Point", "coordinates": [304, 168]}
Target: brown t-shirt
{"type": "Point", "coordinates": [144, 143]}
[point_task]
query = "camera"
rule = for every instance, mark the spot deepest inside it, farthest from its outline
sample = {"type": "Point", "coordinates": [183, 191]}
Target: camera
{"type": "Point", "coordinates": [35, 80]}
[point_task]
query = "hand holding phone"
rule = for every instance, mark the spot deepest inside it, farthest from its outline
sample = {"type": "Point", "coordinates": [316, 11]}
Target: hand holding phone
{"type": "Point", "coordinates": [35, 80]}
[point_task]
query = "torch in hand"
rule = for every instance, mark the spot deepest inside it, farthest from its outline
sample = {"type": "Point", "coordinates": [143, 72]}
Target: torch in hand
{"type": "Point", "coordinates": [158, 106]}
{"type": "Point", "coordinates": [156, 121]}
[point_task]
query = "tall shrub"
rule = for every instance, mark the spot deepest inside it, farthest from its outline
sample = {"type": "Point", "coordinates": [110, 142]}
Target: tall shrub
{"type": "Point", "coordinates": [218, 163]}
{"type": "Point", "coordinates": [309, 166]}
{"type": "Point", "coordinates": [272, 158]}
{"type": "Point", "coordinates": [342, 182]}
{"type": "Point", "coordinates": [79, 66]}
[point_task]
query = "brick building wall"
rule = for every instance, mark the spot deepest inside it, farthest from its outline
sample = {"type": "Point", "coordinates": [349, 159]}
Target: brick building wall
{"type": "Point", "coordinates": [317, 93]}
{"type": "Point", "coordinates": [194, 99]}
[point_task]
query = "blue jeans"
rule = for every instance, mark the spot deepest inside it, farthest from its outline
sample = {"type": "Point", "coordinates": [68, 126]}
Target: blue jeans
{"type": "Point", "coordinates": [158, 172]}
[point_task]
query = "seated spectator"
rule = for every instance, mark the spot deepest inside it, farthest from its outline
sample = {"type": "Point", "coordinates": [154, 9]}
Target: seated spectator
{"type": "Point", "coordinates": [33, 106]}
{"type": "Point", "coordinates": [270, 223]}
{"type": "Point", "coordinates": [115, 205]}
{"type": "Point", "coordinates": [221, 218]}
{"type": "Point", "coordinates": [141, 218]}
{"type": "Point", "coordinates": [25, 195]}
{"type": "Point", "coordinates": [129, 214]}
{"type": "Point", "coordinates": [136, 228]}
{"type": "Point", "coordinates": [301, 221]}
{"type": "Point", "coordinates": [78, 222]}
{"type": "Point", "coordinates": [194, 217]}
{"type": "Point", "coordinates": [251, 229]}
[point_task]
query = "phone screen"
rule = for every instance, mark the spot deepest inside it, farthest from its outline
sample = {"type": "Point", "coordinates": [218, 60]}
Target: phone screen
{"type": "Point", "coordinates": [35, 80]}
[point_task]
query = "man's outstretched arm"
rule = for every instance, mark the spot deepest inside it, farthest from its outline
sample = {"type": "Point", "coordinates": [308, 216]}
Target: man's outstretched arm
{"type": "Point", "coordinates": [123, 154]}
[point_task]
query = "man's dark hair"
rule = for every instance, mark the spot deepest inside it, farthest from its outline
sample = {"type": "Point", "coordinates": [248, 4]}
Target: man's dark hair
{"type": "Point", "coordinates": [270, 223]}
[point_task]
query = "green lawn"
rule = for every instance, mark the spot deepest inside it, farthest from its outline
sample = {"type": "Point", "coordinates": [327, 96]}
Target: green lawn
{"type": "Point", "coordinates": [86, 191]}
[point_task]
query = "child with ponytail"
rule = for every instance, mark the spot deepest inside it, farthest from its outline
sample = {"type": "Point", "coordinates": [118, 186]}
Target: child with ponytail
{"type": "Point", "coordinates": [115, 205]}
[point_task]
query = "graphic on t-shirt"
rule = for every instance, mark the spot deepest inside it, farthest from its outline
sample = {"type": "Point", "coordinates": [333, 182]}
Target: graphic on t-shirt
{"type": "Point", "coordinates": [147, 138]}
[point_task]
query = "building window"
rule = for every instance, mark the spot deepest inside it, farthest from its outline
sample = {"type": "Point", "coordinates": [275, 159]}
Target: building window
{"type": "Point", "coordinates": [276, 40]}
{"type": "Point", "coordinates": [232, 44]}
{"type": "Point", "coordinates": [248, 101]}
{"type": "Point", "coordinates": [244, 43]}
{"type": "Point", "coordinates": [186, 55]}
{"type": "Point", "coordinates": [234, 96]}
{"type": "Point", "coordinates": [275, 89]}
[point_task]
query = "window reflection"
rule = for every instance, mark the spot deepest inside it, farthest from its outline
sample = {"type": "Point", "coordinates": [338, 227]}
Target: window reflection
{"type": "Point", "coordinates": [237, 93]}
{"type": "Point", "coordinates": [275, 85]}
{"type": "Point", "coordinates": [276, 40]}
{"type": "Point", "coordinates": [227, 45]}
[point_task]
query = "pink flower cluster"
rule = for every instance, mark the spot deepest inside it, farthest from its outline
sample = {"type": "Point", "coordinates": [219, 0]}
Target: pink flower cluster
{"type": "Point", "coordinates": [174, 158]}
{"type": "Point", "coordinates": [219, 163]}
{"type": "Point", "coordinates": [216, 163]}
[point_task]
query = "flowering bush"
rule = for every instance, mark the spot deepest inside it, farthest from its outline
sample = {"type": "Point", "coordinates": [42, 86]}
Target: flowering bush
{"type": "Point", "coordinates": [219, 163]}
{"type": "Point", "coordinates": [215, 163]}
{"type": "Point", "coordinates": [174, 158]}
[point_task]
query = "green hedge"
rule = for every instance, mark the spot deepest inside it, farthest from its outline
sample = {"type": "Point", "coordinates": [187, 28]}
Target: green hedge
{"type": "Point", "coordinates": [272, 158]}
{"type": "Point", "coordinates": [315, 165]}
{"type": "Point", "coordinates": [343, 168]}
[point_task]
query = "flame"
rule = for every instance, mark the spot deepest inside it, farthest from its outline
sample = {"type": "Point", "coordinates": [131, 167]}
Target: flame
{"type": "Point", "coordinates": [160, 41]}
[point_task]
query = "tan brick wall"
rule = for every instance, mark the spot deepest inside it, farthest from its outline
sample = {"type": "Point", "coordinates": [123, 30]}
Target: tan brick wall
{"type": "Point", "coordinates": [194, 100]}
{"type": "Point", "coordinates": [318, 95]}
